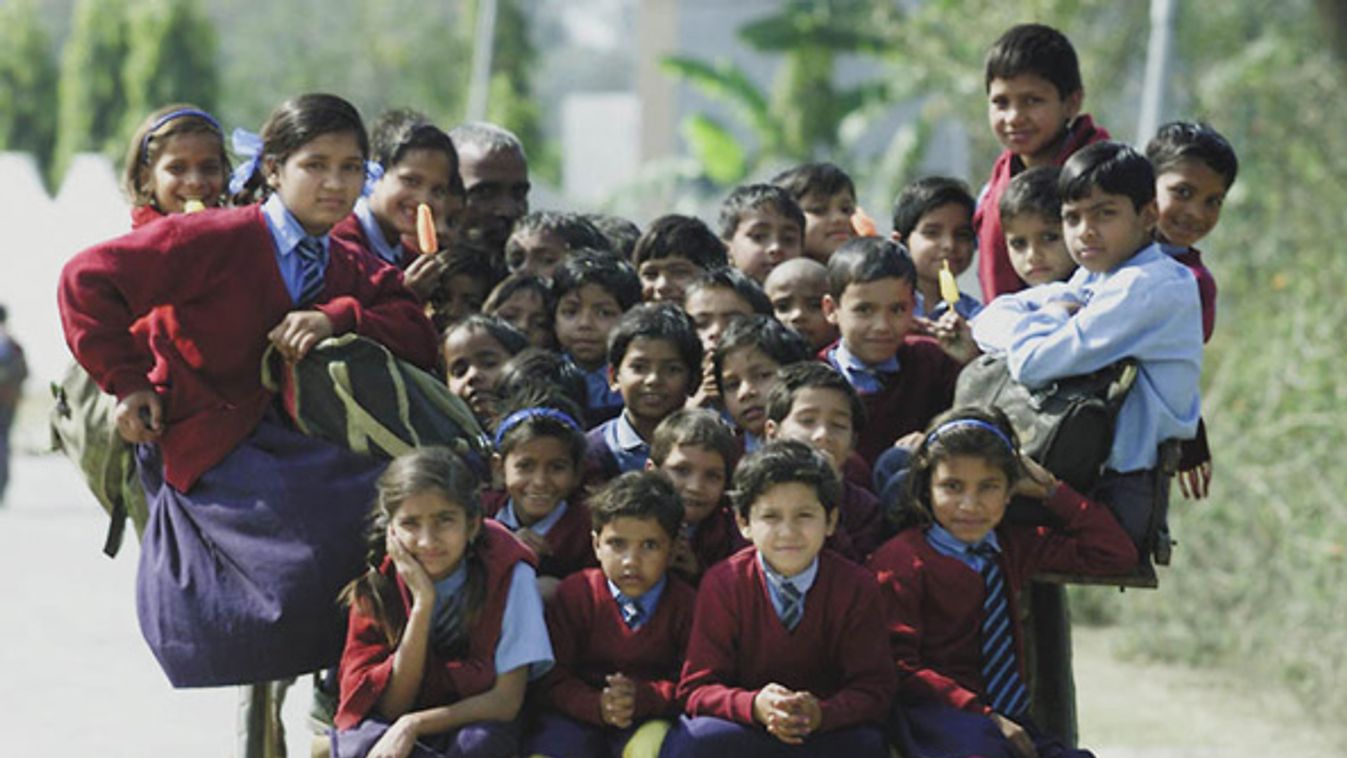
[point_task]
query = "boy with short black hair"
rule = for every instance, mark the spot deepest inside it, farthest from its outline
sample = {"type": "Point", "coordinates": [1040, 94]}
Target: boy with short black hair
{"type": "Point", "coordinates": [745, 362]}
{"type": "Point", "coordinates": [788, 642]}
{"type": "Point", "coordinates": [1034, 97]}
{"type": "Point", "coordinates": [761, 226]}
{"type": "Point", "coordinates": [812, 403]}
{"type": "Point", "coordinates": [654, 358]}
{"type": "Point", "coordinates": [671, 253]}
{"type": "Point", "coordinates": [1128, 299]}
{"type": "Point", "coordinates": [933, 219]}
{"type": "Point", "coordinates": [902, 378]}
{"type": "Point", "coordinates": [795, 289]}
{"type": "Point", "coordinates": [827, 196]}
{"type": "Point", "coordinates": [618, 631]}
{"type": "Point", "coordinates": [592, 289]}
{"type": "Point", "coordinates": [696, 449]}
{"type": "Point", "coordinates": [714, 300]}
{"type": "Point", "coordinates": [541, 239]}
{"type": "Point", "coordinates": [1031, 214]}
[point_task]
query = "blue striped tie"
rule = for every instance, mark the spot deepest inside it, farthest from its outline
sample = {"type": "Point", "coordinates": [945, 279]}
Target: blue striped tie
{"type": "Point", "coordinates": [792, 604]}
{"type": "Point", "coordinates": [1000, 667]}
{"type": "Point", "coordinates": [631, 611]}
{"type": "Point", "coordinates": [312, 266]}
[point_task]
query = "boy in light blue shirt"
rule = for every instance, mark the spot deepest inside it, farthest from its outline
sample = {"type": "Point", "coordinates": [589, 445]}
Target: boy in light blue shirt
{"type": "Point", "coordinates": [1128, 299]}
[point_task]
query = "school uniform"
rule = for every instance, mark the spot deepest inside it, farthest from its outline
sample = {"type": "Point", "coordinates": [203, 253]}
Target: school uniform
{"type": "Point", "coordinates": [740, 643]}
{"type": "Point", "coordinates": [900, 396]}
{"type": "Point", "coordinates": [860, 524]}
{"type": "Point", "coordinates": [362, 230]}
{"type": "Point", "coordinates": [1197, 450]}
{"type": "Point", "coordinates": [593, 636]}
{"type": "Point", "coordinates": [238, 563]}
{"type": "Point", "coordinates": [566, 530]}
{"type": "Point", "coordinates": [995, 271]}
{"type": "Point", "coordinates": [966, 306]}
{"type": "Point", "coordinates": [712, 540]}
{"type": "Point", "coordinates": [602, 402]}
{"type": "Point", "coordinates": [507, 632]}
{"type": "Point", "coordinates": [933, 597]}
{"type": "Point", "coordinates": [613, 448]}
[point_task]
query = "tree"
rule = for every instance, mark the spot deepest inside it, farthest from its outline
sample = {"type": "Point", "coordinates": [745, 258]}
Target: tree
{"type": "Point", "coordinates": [90, 92]}
{"type": "Point", "coordinates": [511, 102]}
{"type": "Point", "coordinates": [171, 58]}
{"type": "Point", "coordinates": [27, 83]}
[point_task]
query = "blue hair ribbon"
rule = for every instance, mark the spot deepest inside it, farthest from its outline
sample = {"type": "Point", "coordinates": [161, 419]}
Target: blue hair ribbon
{"type": "Point", "coordinates": [173, 116]}
{"type": "Point", "coordinates": [247, 146]}
{"type": "Point", "coordinates": [965, 423]}
{"type": "Point", "coordinates": [374, 171]}
{"type": "Point", "coordinates": [519, 417]}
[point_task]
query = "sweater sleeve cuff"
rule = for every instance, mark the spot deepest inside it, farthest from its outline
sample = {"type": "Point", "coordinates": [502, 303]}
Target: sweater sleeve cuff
{"type": "Point", "coordinates": [342, 312]}
{"type": "Point", "coordinates": [124, 382]}
{"type": "Point", "coordinates": [741, 706]}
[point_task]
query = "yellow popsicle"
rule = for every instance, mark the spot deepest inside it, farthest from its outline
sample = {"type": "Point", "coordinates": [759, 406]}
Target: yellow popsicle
{"type": "Point", "coordinates": [193, 205]}
{"type": "Point", "coordinates": [425, 230]}
{"type": "Point", "coordinates": [949, 289]}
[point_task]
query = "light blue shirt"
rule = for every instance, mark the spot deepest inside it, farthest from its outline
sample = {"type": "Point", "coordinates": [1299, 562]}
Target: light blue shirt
{"type": "Point", "coordinates": [523, 630]}
{"type": "Point", "coordinates": [802, 581]}
{"type": "Point", "coordinates": [861, 375]}
{"type": "Point", "coordinates": [967, 306]}
{"type": "Point", "coordinates": [391, 254]}
{"type": "Point", "coordinates": [286, 233]}
{"type": "Point", "coordinates": [542, 526]}
{"type": "Point", "coordinates": [625, 443]}
{"type": "Point", "coordinates": [648, 602]}
{"type": "Point", "coordinates": [599, 394]}
{"type": "Point", "coordinates": [945, 543]}
{"type": "Point", "coordinates": [1147, 308]}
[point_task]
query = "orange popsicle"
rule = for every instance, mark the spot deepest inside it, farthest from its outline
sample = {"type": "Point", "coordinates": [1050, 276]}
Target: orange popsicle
{"type": "Point", "coordinates": [425, 230]}
{"type": "Point", "coordinates": [863, 224]}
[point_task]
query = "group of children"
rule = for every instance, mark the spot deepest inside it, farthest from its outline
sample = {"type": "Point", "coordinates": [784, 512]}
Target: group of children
{"type": "Point", "coordinates": [730, 507]}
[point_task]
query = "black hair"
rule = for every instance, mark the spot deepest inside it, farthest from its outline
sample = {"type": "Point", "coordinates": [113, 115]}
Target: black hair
{"type": "Point", "coordinates": [821, 178]}
{"type": "Point", "coordinates": [942, 442]}
{"type": "Point", "coordinates": [498, 329]}
{"type": "Point", "coordinates": [521, 282]}
{"type": "Point", "coordinates": [540, 425]}
{"type": "Point", "coordinates": [399, 131]}
{"type": "Point", "coordinates": [293, 124]}
{"type": "Point", "coordinates": [701, 427]}
{"type": "Point", "coordinates": [600, 267]}
{"type": "Point", "coordinates": [148, 142]}
{"type": "Point", "coordinates": [861, 260]}
{"type": "Point", "coordinates": [777, 341]}
{"type": "Point", "coordinates": [621, 233]}
{"type": "Point", "coordinates": [657, 321]}
{"type": "Point", "coordinates": [534, 368]}
{"type": "Point", "coordinates": [641, 495]}
{"type": "Point", "coordinates": [732, 279]}
{"type": "Point", "coordinates": [1033, 191]}
{"type": "Point", "coordinates": [574, 230]}
{"type": "Point", "coordinates": [683, 236]}
{"type": "Point", "coordinates": [421, 470]}
{"type": "Point", "coordinates": [467, 259]}
{"type": "Point", "coordinates": [1035, 49]}
{"type": "Point", "coordinates": [925, 195]}
{"type": "Point", "coordinates": [784, 462]}
{"type": "Point", "coordinates": [750, 197]}
{"type": "Point", "coordinates": [1192, 140]}
{"type": "Point", "coordinates": [1115, 168]}
{"type": "Point", "coordinates": [792, 379]}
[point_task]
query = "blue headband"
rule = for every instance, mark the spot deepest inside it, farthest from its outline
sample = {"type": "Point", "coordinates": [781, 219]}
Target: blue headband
{"type": "Point", "coordinates": [171, 116]}
{"type": "Point", "coordinates": [964, 423]}
{"type": "Point", "coordinates": [518, 417]}
{"type": "Point", "coordinates": [249, 147]}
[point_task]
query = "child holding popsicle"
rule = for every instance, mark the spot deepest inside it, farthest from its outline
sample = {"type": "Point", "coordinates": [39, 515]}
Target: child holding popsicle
{"type": "Point", "coordinates": [176, 162]}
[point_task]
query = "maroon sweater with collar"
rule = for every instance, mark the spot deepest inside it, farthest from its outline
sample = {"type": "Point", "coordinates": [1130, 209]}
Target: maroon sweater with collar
{"type": "Point", "coordinates": [209, 286]}
{"type": "Point", "coordinates": [590, 641]}
{"type": "Point", "coordinates": [837, 652]}
{"type": "Point", "coordinates": [572, 547]}
{"type": "Point", "coordinates": [350, 231]}
{"type": "Point", "coordinates": [933, 602]}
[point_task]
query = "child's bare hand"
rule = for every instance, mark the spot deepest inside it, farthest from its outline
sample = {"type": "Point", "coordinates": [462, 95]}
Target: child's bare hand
{"type": "Point", "coordinates": [923, 325]}
{"type": "Point", "coordinates": [1020, 742]}
{"type": "Point", "coordinates": [298, 332]}
{"type": "Point", "coordinates": [707, 395]}
{"type": "Point", "coordinates": [536, 542]}
{"type": "Point", "coordinates": [423, 275]}
{"type": "Point", "coordinates": [1037, 482]}
{"type": "Point", "coordinates": [911, 440]}
{"type": "Point", "coordinates": [684, 560]}
{"type": "Point", "coordinates": [397, 742]}
{"type": "Point", "coordinates": [806, 714]}
{"type": "Point", "coordinates": [618, 701]}
{"type": "Point", "coordinates": [410, 569]}
{"type": "Point", "coordinates": [955, 336]}
{"type": "Point", "coordinates": [140, 416]}
{"type": "Point", "coordinates": [1195, 483]}
{"type": "Point", "coordinates": [775, 708]}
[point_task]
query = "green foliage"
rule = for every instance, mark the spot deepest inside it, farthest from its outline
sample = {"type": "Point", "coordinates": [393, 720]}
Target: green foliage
{"type": "Point", "coordinates": [91, 95]}
{"type": "Point", "coordinates": [27, 82]}
{"type": "Point", "coordinates": [171, 59]}
{"type": "Point", "coordinates": [512, 103]}
{"type": "Point", "coordinates": [716, 149]}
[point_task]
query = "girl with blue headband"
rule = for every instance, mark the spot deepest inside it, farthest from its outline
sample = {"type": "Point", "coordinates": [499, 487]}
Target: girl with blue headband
{"type": "Point", "coordinates": [176, 162]}
{"type": "Point", "coordinates": [951, 582]}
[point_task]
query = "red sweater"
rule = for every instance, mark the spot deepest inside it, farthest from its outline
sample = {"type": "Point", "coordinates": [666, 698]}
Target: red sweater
{"type": "Point", "coordinates": [350, 232]}
{"type": "Point", "coordinates": [716, 538]}
{"type": "Point", "coordinates": [590, 641]}
{"type": "Point", "coordinates": [212, 291]}
{"type": "Point", "coordinates": [1206, 288]}
{"type": "Point", "coordinates": [923, 389]}
{"type": "Point", "coordinates": [860, 525]}
{"type": "Point", "coordinates": [569, 538]}
{"type": "Point", "coordinates": [837, 652]}
{"type": "Point", "coordinates": [994, 270]}
{"type": "Point", "coordinates": [367, 660]}
{"type": "Point", "coordinates": [933, 602]}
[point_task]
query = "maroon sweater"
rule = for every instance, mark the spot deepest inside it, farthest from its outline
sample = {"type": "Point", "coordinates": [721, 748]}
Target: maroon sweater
{"type": "Point", "coordinates": [590, 641]}
{"type": "Point", "coordinates": [1206, 288]}
{"type": "Point", "coordinates": [569, 538]}
{"type": "Point", "coordinates": [716, 538]}
{"type": "Point", "coordinates": [367, 660]}
{"type": "Point", "coordinates": [933, 602]}
{"type": "Point", "coordinates": [209, 284]}
{"type": "Point", "coordinates": [923, 389]}
{"type": "Point", "coordinates": [995, 272]}
{"type": "Point", "coordinates": [860, 525]}
{"type": "Point", "coordinates": [349, 231]}
{"type": "Point", "coordinates": [837, 652]}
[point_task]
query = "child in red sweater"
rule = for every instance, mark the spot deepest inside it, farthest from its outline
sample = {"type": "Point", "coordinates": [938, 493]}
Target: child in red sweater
{"type": "Point", "coordinates": [951, 581]}
{"type": "Point", "coordinates": [618, 631]}
{"type": "Point", "coordinates": [787, 650]}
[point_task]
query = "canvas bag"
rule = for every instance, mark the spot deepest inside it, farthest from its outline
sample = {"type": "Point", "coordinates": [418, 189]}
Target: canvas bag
{"type": "Point", "coordinates": [1066, 425]}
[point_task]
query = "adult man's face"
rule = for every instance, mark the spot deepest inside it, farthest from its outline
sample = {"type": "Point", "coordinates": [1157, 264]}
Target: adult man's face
{"type": "Point", "coordinates": [497, 185]}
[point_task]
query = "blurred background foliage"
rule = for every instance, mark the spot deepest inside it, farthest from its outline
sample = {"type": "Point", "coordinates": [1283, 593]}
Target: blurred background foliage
{"type": "Point", "coordinates": [1259, 581]}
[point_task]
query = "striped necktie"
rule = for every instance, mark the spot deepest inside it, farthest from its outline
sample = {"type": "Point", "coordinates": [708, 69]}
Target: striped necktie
{"type": "Point", "coordinates": [1000, 668]}
{"type": "Point", "coordinates": [792, 604]}
{"type": "Point", "coordinates": [312, 266]}
{"type": "Point", "coordinates": [446, 626]}
{"type": "Point", "coordinates": [631, 611]}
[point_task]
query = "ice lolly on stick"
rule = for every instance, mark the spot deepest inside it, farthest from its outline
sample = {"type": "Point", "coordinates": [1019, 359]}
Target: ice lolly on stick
{"type": "Point", "coordinates": [425, 230]}
{"type": "Point", "coordinates": [949, 289]}
{"type": "Point", "coordinates": [863, 225]}
{"type": "Point", "coordinates": [193, 205]}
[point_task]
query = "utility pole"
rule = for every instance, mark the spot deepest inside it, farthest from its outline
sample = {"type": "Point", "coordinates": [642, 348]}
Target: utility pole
{"type": "Point", "coordinates": [484, 39]}
{"type": "Point", "coordinates": [1158, 51]}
